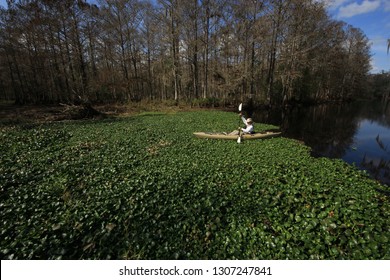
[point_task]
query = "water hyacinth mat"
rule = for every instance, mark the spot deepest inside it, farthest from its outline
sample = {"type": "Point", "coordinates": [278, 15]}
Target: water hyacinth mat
{"type": "Point", "coordinates": [143, 187]}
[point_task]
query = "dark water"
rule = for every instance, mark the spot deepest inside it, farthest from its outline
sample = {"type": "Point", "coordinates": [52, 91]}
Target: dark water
{"type": "Point", "coordinates": [358, 133]}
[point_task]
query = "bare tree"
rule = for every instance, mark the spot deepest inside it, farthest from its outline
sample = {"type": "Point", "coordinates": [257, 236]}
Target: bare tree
{"type": "Point", "coordinates": [271, 50]}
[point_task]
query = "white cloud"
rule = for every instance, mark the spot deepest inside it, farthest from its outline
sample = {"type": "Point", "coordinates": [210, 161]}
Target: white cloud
{"type": "Point", "coordinates": [374, 68]}
{"type": "Point", "coordinates": [379, 45]}
{"type": "Point", "coordinates": [379, 64]}
{"type": "Point", "coordinates": [380, 61]}
{"type": "Point", "coordinates": [386, 4]}
{"type": "Point", "coordinates": [336, 3]}
{"type": "Point", "coordinates": [354, 9]}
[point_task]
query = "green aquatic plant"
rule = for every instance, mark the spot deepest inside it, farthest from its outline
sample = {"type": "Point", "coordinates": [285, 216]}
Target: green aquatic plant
{"type": "Point", "coordinates": [143, 187]}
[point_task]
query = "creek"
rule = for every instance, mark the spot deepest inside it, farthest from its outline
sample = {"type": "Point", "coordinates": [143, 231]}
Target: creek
{"type": "Point", "coordinates": [357, 132]}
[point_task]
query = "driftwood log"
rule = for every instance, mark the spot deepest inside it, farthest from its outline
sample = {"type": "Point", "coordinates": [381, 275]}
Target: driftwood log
{"type": "Point", "coordinates": [82, 111]}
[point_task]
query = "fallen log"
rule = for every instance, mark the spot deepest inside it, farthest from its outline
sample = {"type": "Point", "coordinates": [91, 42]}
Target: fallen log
{"type": "Point", "coordinates": [78, 112]}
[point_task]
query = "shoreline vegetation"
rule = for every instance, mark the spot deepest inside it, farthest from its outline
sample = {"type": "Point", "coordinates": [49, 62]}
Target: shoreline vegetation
{"type": "Point", "coordinates": [10, 112]}
{"type": "Point", "coordinates": [140, 186]}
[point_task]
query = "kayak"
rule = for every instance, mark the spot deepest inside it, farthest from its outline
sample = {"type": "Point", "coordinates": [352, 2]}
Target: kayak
{"type": "Point", "coordinates": [258, 135]}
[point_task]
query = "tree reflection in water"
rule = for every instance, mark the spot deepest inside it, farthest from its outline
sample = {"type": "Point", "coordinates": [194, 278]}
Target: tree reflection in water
{"type": "Point", "coordinates": [379, 168]}
{"type": "Point", "coordinates": [358, 132]}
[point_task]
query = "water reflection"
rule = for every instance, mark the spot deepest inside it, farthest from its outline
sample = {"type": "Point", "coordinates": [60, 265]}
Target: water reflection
{"type": "Point", "coordinates": [358, 133]}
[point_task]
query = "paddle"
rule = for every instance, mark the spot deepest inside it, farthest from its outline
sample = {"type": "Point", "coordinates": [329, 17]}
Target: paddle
{"type": "Point", "coordinates": [239, 121]}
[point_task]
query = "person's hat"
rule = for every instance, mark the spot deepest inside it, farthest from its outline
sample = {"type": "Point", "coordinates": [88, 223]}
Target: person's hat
{"type": "Point", "coordinates": [249, 120]}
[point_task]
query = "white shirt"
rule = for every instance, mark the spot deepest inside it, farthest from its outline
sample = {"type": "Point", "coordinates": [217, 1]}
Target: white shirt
{"type": "Point", "coordinates": [249, 127]}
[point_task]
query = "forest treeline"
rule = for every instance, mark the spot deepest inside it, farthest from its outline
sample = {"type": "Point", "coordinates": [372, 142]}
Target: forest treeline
{"type": "Point", "coordinates": [272, 51]}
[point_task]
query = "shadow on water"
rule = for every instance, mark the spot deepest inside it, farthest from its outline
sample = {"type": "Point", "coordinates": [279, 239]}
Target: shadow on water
{"type": "Point", "coordinates": [358, 132]}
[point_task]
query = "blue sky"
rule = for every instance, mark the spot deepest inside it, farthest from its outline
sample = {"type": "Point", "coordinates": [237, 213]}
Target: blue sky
{"type": "Point", "coordinates": [371, 16]}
